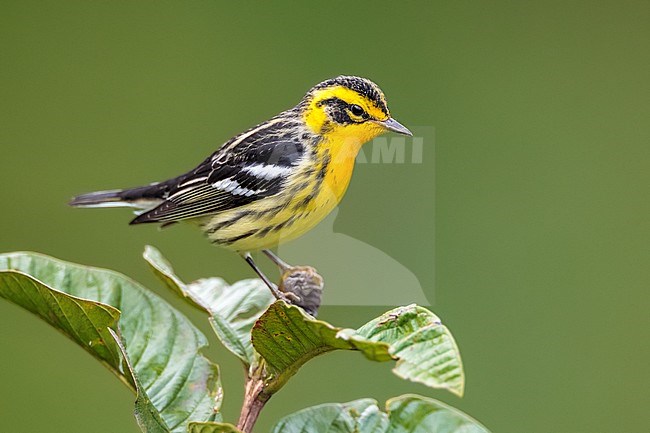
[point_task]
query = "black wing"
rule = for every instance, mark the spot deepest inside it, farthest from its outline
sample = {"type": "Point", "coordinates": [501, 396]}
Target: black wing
{"type": "Point", "coordinates": [251, 166]}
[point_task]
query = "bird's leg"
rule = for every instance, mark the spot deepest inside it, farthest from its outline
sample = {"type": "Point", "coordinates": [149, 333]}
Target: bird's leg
{"type": "Point", "coordinates": [284, 266]}
{"type": "Point", "coordinates": [278, 294]}
{"type": "Point", "coordinates": [302, 284]}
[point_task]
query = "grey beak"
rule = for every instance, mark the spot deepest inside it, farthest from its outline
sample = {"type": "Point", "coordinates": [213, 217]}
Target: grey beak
{"type": "Point", "coordinates": [393, 125]}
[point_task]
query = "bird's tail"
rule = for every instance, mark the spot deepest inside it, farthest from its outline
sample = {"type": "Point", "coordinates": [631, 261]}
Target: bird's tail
{"type": "Point", "coordinates": [144, 197]}
{"type": "Point", "coordinates": [99, 199]}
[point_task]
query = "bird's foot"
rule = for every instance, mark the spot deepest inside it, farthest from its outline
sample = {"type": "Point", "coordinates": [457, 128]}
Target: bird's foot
{"type": "Point", "coordinates": [304, 286]}
{"type": "Point", "coordinates": [289, 298]}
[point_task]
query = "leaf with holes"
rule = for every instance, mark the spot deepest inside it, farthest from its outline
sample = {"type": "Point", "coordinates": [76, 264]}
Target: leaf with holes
{"type": "Point", "coordinates": [424, 349]}
{"type": "Point", "coordinates": [286, 338]}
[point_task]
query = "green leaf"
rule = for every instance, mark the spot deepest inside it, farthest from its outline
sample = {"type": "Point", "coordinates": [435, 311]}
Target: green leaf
{"type": "Point", "coordinates": [286, 337]}
{"type": "Point", "coordinates": [162, 347]}
{"type": "Point", "coordinates": [415, 414]}
{"type": "Point", "coordinates": [146, 414]}
{"type": "Point", "coordinates": [334, 418]}
{"type": "Point", "coordinates": [212, 427]}
{"type": "Point", "coordinates": [405, 414]}
{"type": "Point", "coordinates": [425, 351]}
{"type": "Point", "coordinates": [233, 309]}
{"type": "Point", "coordinates": [86, 322]}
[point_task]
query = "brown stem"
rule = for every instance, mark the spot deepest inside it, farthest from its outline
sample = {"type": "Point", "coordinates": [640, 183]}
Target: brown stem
{"type": "Point", "coordinates": [254, 400]}
{"type": "Point", "coordinates": [304, 283]}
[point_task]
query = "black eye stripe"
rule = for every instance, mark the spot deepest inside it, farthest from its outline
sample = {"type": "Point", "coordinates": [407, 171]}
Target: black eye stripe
{"type": "Point", "coordinates": [329, 101]}
{"type": "Point", "coordinates": [340, 111]}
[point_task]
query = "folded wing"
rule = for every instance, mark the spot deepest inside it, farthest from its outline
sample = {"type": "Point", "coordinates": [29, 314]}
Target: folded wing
{"type": "Point", "coordinates": [242, 171]}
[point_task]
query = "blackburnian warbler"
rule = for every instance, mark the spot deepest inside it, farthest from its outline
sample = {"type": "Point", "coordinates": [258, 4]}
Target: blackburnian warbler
{"type": "Point", "coordinates": [273, 182]}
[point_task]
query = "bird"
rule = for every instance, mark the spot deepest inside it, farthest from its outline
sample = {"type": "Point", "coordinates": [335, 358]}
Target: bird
{"type": "Point", "coordinates": [272, 182]}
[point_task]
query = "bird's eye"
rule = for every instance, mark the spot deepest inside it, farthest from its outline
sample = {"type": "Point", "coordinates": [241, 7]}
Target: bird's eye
{"type": "Point", "coordinates": [356, 110]}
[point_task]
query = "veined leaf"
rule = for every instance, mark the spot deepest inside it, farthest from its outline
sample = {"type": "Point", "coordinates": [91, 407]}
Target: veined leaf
{"type": "Point", "coordinates": [404, 414]}
{"type": "Point", "coordinates": [425, 351]}
{"type": "Point", "coordinates": [146, 414]}
{"type": "Point", "coordinates": [233, 309]}
{"type": "Point", "coordinates": [286, 337]}
{"type": "Point", "coordinates": [162, 347]}
{"type": "Point", "coordinates": [335, 418]}
{"type": "Point", "coordinates": [90, 330]}
{"type": "Point", "coordinates": [424, 347]}
{"type": "Point", "coordinates": [412, 413]}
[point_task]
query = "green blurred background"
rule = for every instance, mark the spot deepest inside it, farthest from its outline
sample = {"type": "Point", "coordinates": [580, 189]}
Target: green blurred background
{"type": "Point", "coordinates": [541, 165]}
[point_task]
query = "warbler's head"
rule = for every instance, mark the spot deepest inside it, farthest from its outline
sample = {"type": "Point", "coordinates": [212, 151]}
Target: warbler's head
{"type": "Point", "coordinates": [349, 108]}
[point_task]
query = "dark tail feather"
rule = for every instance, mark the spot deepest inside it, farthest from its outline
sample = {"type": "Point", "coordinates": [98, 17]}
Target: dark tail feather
{"type": "Point", "coordinates": [99, 198]}
{"type": "Point", "coordinates": [143, 197]}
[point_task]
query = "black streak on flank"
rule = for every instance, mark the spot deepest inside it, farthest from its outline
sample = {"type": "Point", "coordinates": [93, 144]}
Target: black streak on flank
{"type": "Point", "coordinates": [320, 177]}
{"type": "Point", "coordinates": [234, 239]}
{"type": "Point", "coordinates": [263, 232]}
{"type": "Point", "coordinates": [285, 224]}
{"type": "Point", "coordinates": [326, 162]}
{"type": "Point", "coordinates": [230, 221]}
{"type": "Point", "coordinates": [305, 201]}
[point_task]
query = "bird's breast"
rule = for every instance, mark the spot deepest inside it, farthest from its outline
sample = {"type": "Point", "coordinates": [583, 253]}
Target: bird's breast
{"type": "Point", "coordinates": [314, 189]}
{"type": "Point", "coordinates": [337, 159]}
